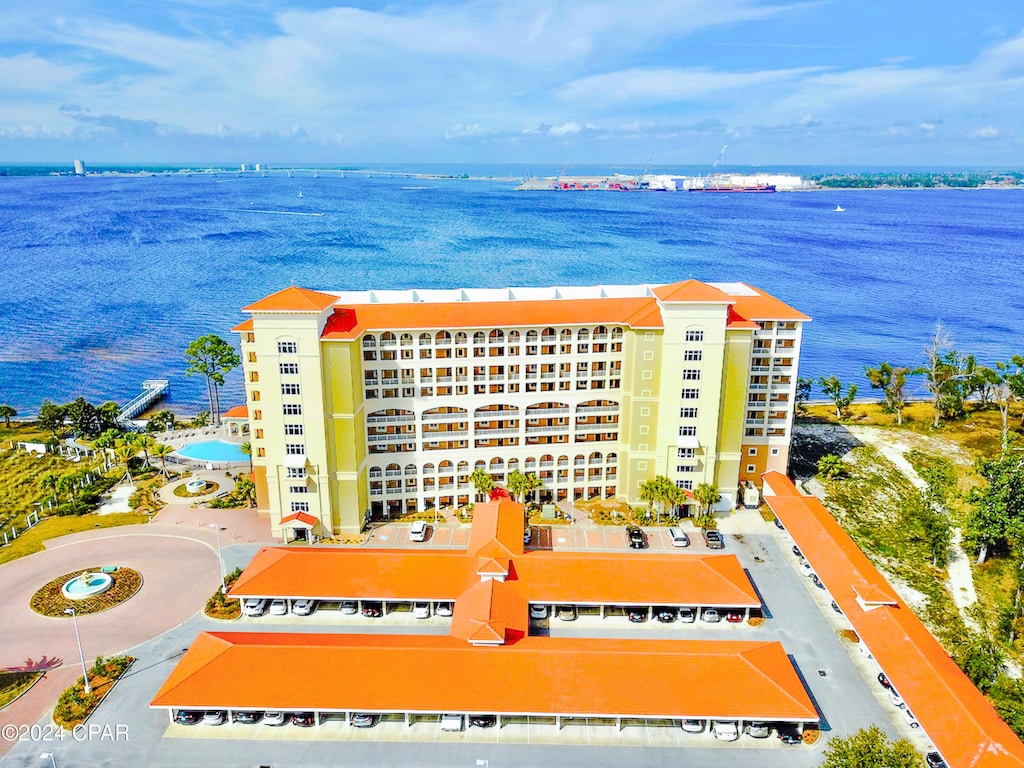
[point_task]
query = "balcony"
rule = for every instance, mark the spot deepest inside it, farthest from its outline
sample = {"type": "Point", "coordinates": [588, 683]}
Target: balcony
{"type": "Point", "coordinates": [758, 386]}
{"type": "Point", "coordinates": [396, 437]}
{"type": "Point", "coordinates": [546, 430]}
{"type": "Point", "coordinates": [388, 343]}
{"type": "Point", "coordinates": [759, 368]}
{"type": "Point", "coordinates": [608, 427]}
{"type": "Point", "coordinates": [443, 434]}
{"type": "Point", "coordinates": [391, 419]}
{"type": "Point", "coordinates": [394, 473]}
{"type": "Point", "coordinates": [598, 409]}
{"type": "Point", "coordinates": [484, 433]}
{"type": "Point", "coordinates": [541, 413]}
{"type": "Point", "coordinates": [443, 416]}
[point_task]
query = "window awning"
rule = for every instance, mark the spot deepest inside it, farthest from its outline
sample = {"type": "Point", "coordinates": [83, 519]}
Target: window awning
{"type": "Point", "coordinates": [294, 460]}
{"type": "Point", "coordinates": [687, 441]}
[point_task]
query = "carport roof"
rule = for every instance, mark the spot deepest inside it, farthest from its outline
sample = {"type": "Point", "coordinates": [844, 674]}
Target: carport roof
{"type": "Point", "coordinates": [960, 721]}
{"type": "Point", "coordinates": [640, 579]}
{"type": "Point", "coordinates": [640, 678]}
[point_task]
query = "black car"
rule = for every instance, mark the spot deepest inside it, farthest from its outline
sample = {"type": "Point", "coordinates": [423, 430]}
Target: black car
{"type": "Point", "coordinates": [789, 734]}
{"type": "Point", "coordinates": [637, 615]}
{"type": "Point", "coordinates": [836, 608]}
{"type": "Point", "coordinates": [884, 681]}
{"type": "Point", "coordinates": [637, 539]}
{"type": "Point", "coordinates": [817, 582]}
{"type": "Point", "coordinates": [483, 721]}
{"type": "Point", "coordinates": [714, 539]}
{"type": "Point", "coordinates": [373, 610]}
{"type": "Point", "coordinates": [187, 717]}
{"type": "Point", "coordinates": [247, 718]}
{"type": "Point", "coordinates": [796, 551]}
{"type": "Point", "coordinates": [666, 615]}
{"type": "Point", "coordinates": [934, 760]}
{"type": "Point", "coordinates": [779, 525]}
{"type": "Point", "coordinates": [303, 719]}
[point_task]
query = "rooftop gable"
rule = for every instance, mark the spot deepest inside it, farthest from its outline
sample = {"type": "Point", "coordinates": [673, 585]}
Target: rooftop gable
{"type": "Point", "coordinates": [691, 291]}
{"type": "Point", "coordinates": [293, 299]}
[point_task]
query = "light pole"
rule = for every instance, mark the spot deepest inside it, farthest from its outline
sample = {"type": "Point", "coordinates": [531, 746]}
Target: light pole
{"type": "Point", "coordinates": [81, 654]}
{"type": "Point", "coordinates": [220, 558]}
{"type": "Point", "coordinates": [53, 760]}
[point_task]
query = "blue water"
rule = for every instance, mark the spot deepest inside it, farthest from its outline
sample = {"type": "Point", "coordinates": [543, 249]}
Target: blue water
{"type": "Point", "coordinates": [107, 279]}
{"type": "Point", "coordinates": [213, 450]}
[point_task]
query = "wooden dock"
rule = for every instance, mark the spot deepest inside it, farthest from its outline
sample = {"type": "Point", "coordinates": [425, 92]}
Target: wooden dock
{"type": "Point", "coordinates": [153, 390]}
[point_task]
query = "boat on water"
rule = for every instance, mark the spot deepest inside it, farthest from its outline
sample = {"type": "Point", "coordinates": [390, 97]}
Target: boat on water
{"type": "Point", "coordinates": [300, 193]}
{"type": "Point", "coordinates": [733, 188]}
{"type": "Point", "coordinates": [838, 209]}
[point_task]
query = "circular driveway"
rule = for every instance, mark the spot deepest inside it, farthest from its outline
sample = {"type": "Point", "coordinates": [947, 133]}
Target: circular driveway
{"type": "Point", "coordinates": [178, 575]}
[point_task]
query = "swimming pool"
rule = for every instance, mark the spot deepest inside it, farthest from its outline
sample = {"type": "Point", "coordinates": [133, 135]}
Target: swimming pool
{"type": "Point", "coordinates": [213, 450]}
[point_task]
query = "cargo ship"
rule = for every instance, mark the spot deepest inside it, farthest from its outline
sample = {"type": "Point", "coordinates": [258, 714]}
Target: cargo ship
{"type": "Point", "coordinates": [734, 188]}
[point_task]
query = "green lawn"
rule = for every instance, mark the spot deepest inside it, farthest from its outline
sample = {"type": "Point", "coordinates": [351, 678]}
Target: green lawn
{"type": "Point", "coordinates": [32, 540]}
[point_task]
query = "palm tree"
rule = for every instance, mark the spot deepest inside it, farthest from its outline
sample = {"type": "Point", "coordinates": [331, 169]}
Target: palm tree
{"type": "Point", "coordinates": [246, 448]}
{"type": "Point", "coordinates": [482, 481]}
{"type": "Point", "coordinates": [146, 443]}
{"type": "Point", "coordinates": [125, 453]}
{"type": "Point", "coordinates": [6, 412]}
{"type": "Point", "coordinates": [162, 451]}
{"type": "Point", "coordinates": [708, 495]}
{"type": "Point", "coordinates": [51, 481]}
{"type": "Point", "coordinates": [661, 492]}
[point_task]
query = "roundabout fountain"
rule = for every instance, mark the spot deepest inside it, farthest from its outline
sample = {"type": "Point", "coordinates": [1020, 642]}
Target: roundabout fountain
{"type": "Point", "coordinates": [87, 585]}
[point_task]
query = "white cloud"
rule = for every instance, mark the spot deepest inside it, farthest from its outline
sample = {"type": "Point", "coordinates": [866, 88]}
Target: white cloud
{"type": "Point", "coordinates": [986, 133]}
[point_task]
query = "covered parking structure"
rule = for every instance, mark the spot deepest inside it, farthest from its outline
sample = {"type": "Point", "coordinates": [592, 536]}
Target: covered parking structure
{"type": "Point", "coordinates": [957, 717]}
{"type": "Point", "coordinates": [555, 678]}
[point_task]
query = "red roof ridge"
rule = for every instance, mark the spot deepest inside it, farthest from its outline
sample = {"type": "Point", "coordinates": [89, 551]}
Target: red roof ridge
{"type": "Point", "coordinates": [206, 649]}
{"type": "Point", "coordinates": [692, 291]}
{"type": "Point", "coordinates": [751, 657]}
{"type": "Point", "coordinates": [237, 412]}
{"type": "Point", "coordinates": [293, 299]}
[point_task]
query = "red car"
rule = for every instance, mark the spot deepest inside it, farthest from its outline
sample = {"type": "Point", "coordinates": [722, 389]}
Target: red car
{"type": "Point", "coordinates": [735, 617]}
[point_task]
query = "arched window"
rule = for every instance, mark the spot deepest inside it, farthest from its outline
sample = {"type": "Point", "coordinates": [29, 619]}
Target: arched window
{"type": "Point", "coordinates": [616, 333]}
{"type": "Point", "coordinates": [428, 469]}
{"type": "Point", "coordinates": [548, 334]}
{"type": "Point", "coordinates": [497, 464]}
{"type": "Point", "coordinates": [584, 335]}
{"type": "Point", "coordinates": [531, 463]}
{"type": "Point", "coordinates": [375, 472]}
{"type": "Point", "coordinates": [497, 336]}
{"type": "Point", "coordinates": [446, 466]}
{"type": "Point", "coordinates": [480, 464]}
{"type": "Point", "coordinates": [443, 337]}
{"type": "Point", "coordinates": [513, 464]}
{"type": "Point", "coordinates": [478, 337]}
{"type": "Point", "coordinates": [531, 337]}
{"type": "Point", "coordinates": [388, 336]}
{"type": "Point", "coordinates": [547, 458]}
{"type": "Point", "coordinates": [595, 457]}
{"type": "Point", "coordinates": [565, 335]}
{"type": "Point", "coordinates": [611, 458]}
{"type": "Point", "coordinates": [410, 469]}
{"type": "Point", "coordinates": [600, 332]}
{"type": "Point", "coordinates": [406, 340]}
{"type": "Point", "coordinates": [463, 467]}
{"type": "Point", "coordinates": [460, 337]}
{"type": "Point", "coordinates": [394, 468]}
{"type": "Point", "coordinates": [513, 337]}
{"type": "Point", "coordinates": [369, 340]}
{"type": "Point", "coordinates": [563, 461]}
{"type": "Point", "coordinates": [425, 339]}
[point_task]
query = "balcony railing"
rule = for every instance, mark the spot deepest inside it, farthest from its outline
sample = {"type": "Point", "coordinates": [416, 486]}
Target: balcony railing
{"type": "Point", "coordinates": [546, 430]}
{"type": "Point", "coordinates": [484, 432]}
{"type": "Point", "coordinates": [408, 419]}
{"type": "Point", "coordinates": [542, 413]}
{"type": "Point", "coordinates": [397, 437]}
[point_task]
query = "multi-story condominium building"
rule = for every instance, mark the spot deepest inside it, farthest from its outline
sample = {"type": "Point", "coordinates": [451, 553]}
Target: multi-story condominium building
{"type": "Point", "coordinates": [368, 404]}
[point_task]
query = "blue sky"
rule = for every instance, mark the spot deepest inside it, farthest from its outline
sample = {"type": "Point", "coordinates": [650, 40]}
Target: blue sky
{"type": "Point", "coordinates": [847, 82]}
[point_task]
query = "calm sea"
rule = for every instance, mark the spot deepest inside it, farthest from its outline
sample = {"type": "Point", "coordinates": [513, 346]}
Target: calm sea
{"type": "Point", "coordinates": [107, 279]}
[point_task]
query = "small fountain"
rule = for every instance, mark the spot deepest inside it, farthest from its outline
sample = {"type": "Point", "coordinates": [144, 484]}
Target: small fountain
{"type": "Point", "coordinates": [195, 485]}
{"type": "Point", "coordinates": [88, 584]}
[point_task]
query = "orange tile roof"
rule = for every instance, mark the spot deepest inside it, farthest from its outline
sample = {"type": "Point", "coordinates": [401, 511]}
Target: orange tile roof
{"type": "Point", "coordinates": [752, 680]}
{"type": "Point", "coordinates": [765, 307]}
{"type": "Point", "coordinates": [497, 530]}
{"type": "Point", "coordinates": [350, 322]}
{"type": "Point", "coordinates": [300, 517]}
{"type": "Point", "coordinates": [379, 574]}
{"type": "Point", "coordinates": [491, 611]}
{"type": "Point", "coordinates": [692, 291]}
{"type": "Point", "coordinates": [654, 579]}
{"type": "Point", "coordinates": [245, 325]}
{"type": "Point", "coordinates": [960, 721]}
{"type": "Point", "coordinates": [238, 412]}
{"type": "Point", "coordinates": [293, 299]}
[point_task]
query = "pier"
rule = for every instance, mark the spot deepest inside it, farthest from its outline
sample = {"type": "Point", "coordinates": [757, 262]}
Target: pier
{"type": "Point", "coordinates": [152, 391]}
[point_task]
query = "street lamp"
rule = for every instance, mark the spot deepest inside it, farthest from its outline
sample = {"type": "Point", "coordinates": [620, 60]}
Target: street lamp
{"type": "Point", "coordinates": [81, 654]}
{"type": "Point", "coordinates": [220, 557]}
{"type": "Point", "coordinates": [45, 755]}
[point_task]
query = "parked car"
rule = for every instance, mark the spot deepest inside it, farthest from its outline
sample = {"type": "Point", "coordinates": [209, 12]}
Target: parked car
{"type": "Point", "coordinates": [725, 730]}
{"type": "Point", "coordinates": [363, 720]}
{"type": "Point", "coordinates": [275, 718]}
{"type": "Point", "coordinates": [637, 615]}
{"type": "Point", "coordinates": [254, 606]}
{"type": "Point", "coordinates": [733, 617]}
{"type": "Point", "coordinates": [895, 698]}
{"type": "Point", "coordinates": [779, 525]}
{"type": "Point", "coordinates": [694, 726]}
{"type": "Point", "coordinates": [483, 721]}
{"type": "Point", "coordinates": [817, 582]}
{"type": "Point", "coordinates": [303, 719]}
{"type": "Point", "coordinates": [678, 538]}
{"type": "Point", "coordinates": [911, 720]}
{"type": "Point", "coordinates": [348, 607]}
{"type": "Point", "coordinates": [303, 607]}
{"type": "Point", "coordinates": [247, 718]}
{"type": "Point", "coordinates": [421, 610]}
{"type": "Point", "coordinates": [527, 535]}
{"type": "Point", "coordinates": [443, 609]}
{"type": "Point", "coordinates": [278, 607]}
{"type": "Point", "coordinates": [864, 650]}
{"type": "Point", "coordinates": [934, 760]}
{"type": "Point", "coordinates": [687, 615]}
{"type": "Point", "coordinates": [373, 610]}
{"type": "Point", "coordinates": [883, 680]}
{"type": "Point", "coordinates": [713, 539]}
{"type": "Point", "coordinates": [452, 722]}
{"type": "Point", "coordinates": [797, 552]}
{"type": "Point", "coordinates": [637, 539]}
{"type": "Point", "coordinates": [789, 734]}
{"type": "Point", "coordinates": [566, 612]}
{"type": "Point", "coordinates": [805, 569]}
{"type": "Point", "coordinates": [836, 608]}
{"type": "Point", "coordinates": [187, 717]}
{"type": "Point", "coordinates": [758, 730]}
{"type": "Point", "coordinates": [538, 611]}
{"type": "Point", "coordinates": [418, 531]}
{"type": "Point", "coordinates": [215, 717]}
{"type": "Point", "coordinates": [711, 616]}
{"type": "Point", "coordinates": [665, 614]}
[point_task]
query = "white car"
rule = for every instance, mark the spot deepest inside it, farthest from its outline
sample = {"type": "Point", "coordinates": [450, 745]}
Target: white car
{"type": "Point", "coordinates": [421, 610]}
{"type": "Point", "coordinates": [303, 607]}
{"type": "Point", "coordinates": [275, 718]}
{"type": "Point", "coordinates": [710, 615]}
{"type": "Point", "coordinates": [693, 726]}
{"type": "Point", "coordinates": [278, 607]}
{"type": "Point", "coordinates": [805, 569]}
{"type": "Point", "coordinates": [725, 730]}
{"type": "Point", "coordinates": [538, 611]}
{"type": "Point", "coordinates": [864, 651]}
{"type": "Point", "coordinates": [215, 717]}
{"type": "Point", "coordinates": [443, 609]}
{"type": "Point", "coordinates": [418, 531]}
{"type": "Point", "coordinates": [254, 606]}
{"type": "Point", "coordinates": [348, 607]}
{"type": "Point", "coordinates": [896, 699]}
{"type": "Point", "coordinates": [911, 720]}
